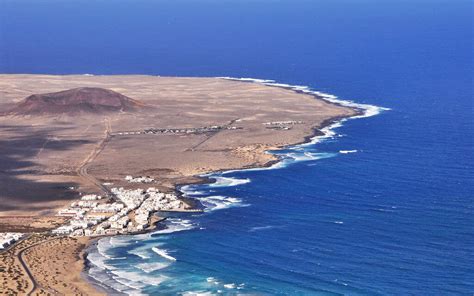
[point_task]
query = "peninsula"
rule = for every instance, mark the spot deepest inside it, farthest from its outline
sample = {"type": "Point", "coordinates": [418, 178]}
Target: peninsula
{"type": "Point", "coordinates": [85, 156]}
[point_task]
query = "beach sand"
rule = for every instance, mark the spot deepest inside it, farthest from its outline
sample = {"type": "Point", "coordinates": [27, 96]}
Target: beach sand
{"type": "Point", "coordinates": [43, 264]}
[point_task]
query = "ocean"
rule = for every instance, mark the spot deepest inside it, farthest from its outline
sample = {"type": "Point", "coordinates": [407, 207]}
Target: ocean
{"type": "Point", "coordinates": [381, 205]}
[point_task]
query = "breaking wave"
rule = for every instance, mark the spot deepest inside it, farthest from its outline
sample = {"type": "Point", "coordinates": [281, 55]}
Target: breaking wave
{"type": "Point", "coordinates": [142, 253]}
{"type": "Point", "coordinates": [163, 253]}
{"type": "Point", "coordinates": [152, 266]}
{"type": "Point", "coordinates": [174, 225]}
{"type": "Point", "coordinates": [227, 181]}
{"type": "Point", "coordinates": [347, 151]}
{"type": "Point", "coordinates": [212, 203]}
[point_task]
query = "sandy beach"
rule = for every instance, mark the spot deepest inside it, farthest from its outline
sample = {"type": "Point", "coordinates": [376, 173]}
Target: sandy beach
{"type": "Point", "coordinates": [43, 264]}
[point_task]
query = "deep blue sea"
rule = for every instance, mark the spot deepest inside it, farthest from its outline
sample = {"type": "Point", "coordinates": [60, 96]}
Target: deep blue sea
{"type": "Point", "coordinates": [385, 206]}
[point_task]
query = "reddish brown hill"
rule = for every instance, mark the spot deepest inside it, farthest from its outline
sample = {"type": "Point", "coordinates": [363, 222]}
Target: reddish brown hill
{"type": "Point", "coordinates": [74, 101]}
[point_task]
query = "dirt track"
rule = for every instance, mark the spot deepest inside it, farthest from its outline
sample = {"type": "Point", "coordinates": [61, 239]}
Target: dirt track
{"type": "Point", "coordinates": [82, 170]}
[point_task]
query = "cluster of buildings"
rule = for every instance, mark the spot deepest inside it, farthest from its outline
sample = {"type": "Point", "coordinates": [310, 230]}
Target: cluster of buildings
{"type": "Point", "coordinates": [84, 214]}
{"type": "Point", "coordinates": [282, 125]}
{"type": "Point", "coordinates": [128, 212]}
{"type": "Point", "coordinates": [80, 208]}
{"type": "Point", "coordinates": [156, 201]}
{"type": "Point", "coordinates": [192, 130]}
{"type": "Point", "coordinates": [129, 133]}
{"type": "Point", "coordinates": [89, 197]}
{"type": "Point", "coordinates": [146, 202]}
{"type": "Point", "coordinates": [288, 122]}
{"type": "Point", "coordinates": [9, 238]}
{"type": "Point", "coordinates": [146, 179]}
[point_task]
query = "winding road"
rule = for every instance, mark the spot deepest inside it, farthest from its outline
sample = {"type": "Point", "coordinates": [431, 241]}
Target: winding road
{"type": "Point", "coordinates": [34, 283]}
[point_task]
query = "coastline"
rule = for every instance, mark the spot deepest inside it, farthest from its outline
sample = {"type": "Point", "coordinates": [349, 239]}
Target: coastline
{"type": "Point", "coordinates": [99, 287]}
{"type": "Point", "coordinates": [320, 132]}
{"type": "Point", "coordinates": [92, 244]}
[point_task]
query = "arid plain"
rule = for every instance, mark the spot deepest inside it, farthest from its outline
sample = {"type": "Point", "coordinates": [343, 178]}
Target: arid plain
{"type": "Point", "coordinates": [180, 128]}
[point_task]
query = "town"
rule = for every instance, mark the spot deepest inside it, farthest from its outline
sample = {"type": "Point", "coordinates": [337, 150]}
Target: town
{"type": "Point", "coordinates": [128, 211]}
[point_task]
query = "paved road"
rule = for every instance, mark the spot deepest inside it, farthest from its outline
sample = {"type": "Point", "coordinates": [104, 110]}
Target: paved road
{"type": "Point", "coordinates": [27, 270]}
{"type": "Point", "coordinates": [25, 266]}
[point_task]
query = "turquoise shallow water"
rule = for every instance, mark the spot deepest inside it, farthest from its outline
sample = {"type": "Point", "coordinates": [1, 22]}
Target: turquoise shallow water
{"type": "Point", "coordinates": [382, 207]}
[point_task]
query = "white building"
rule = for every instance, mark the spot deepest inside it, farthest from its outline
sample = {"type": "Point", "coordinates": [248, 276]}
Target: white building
{"type": "Point", "coordinates": [91, 197]}
{"type": "Point", "coordinates": [63, 230]}
{"type": "Point", "coordinates": [9, 238]}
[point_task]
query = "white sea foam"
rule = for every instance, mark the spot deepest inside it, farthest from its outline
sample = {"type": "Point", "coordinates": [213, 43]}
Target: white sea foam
{"type": "Point", "coordinates": [306, 156]}
{"type": "Point", "coordinates": [217, 202]}
{"type": "Point", "coordinates": [124, 279]}
{"type": "Point", "coordinates": [297, 155]}
{"type": "Point", "coordinates": [212, 280]}
{"type": "Point", "coordinates": [163, 253]}
{"type": "Point", "coordinates": [98, 260]}
{"type": "Point", "coordinates": [152, 266]}
{"type": "Point", "coordinates": [259, 228]}
{"type": "Point", "coordinates": [212, 203]}
{"type": "Point", "coordinates": [229, 286]}
{"type": "Point", "coordinates": [101, 272]}
{"type": "Point", "coordinates": [140, 252]}
{"type": "Point", "coordinates": [119, 241]}
{"type": "Point", "coordinates": [118, 258]}
{"type": "Point", "coordinates": [198, 293]}
{"type": "Point", "coordinates": [227, 181]}
{"type": "Point", "coordinates": [138, 280]}
{"type": "Point", "coordinates": [190, 190]}
{"type": "Point", "coordinates": [175, 225]}
{"type": "Point", "coordinates": [248, 79]}
{"type": "Point", "coordinates": [118, 286]}
{"type": "Point", "coordinates": [97, 273]}
{"type": "Point", "coordinates": [385, 210]}
{"type": "Point", "coordinates": [347, 151]}
{"type": "Point", "coordinates": [103, 245]}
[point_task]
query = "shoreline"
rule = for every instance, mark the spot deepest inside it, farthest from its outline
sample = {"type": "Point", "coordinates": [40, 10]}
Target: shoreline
{"type": "Point", "coordinates": [317, 132]}
{"type": "Point", "coordinates": [93, 242]}
{"type": "Point", "coordinates": [84, 273]}
{"type": "Point", "coordinates": [95, 284]}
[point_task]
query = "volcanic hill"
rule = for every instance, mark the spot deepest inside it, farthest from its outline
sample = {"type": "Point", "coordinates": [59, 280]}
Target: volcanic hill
{"type": "Point", "coordinates": [92, 100]}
